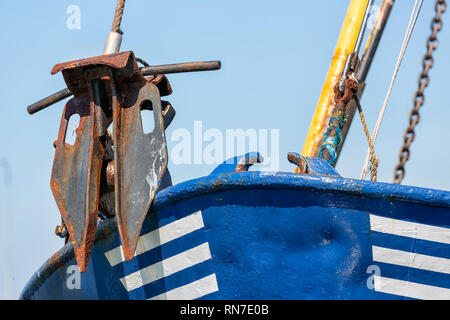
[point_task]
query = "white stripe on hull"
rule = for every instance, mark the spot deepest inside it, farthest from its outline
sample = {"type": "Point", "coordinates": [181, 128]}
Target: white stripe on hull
{"type": "Point", "coordinates": [411, 259]}
{"type": "Point", "coordinates": [167, 267]}
{"type": "Point", "coordinates": [410, 289]}
{"type": "Point", "coordinates": [191, 291]}
{"type": "Point", "coordinates": [159, 237]}
{"type": "Point", "coordinates": [409, 229]}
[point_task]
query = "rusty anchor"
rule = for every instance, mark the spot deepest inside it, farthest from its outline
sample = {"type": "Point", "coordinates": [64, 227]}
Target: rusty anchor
{"type": "Point", "coordinates": [140, 160]}
{"type": "Point", "coordinates": [114, 174]}
{"type": "Point", "coordinates": [109, 89]}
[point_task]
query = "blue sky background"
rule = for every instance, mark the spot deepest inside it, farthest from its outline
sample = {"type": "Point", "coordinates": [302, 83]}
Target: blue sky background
{"type": "Point", "coordinates": [275, 55]}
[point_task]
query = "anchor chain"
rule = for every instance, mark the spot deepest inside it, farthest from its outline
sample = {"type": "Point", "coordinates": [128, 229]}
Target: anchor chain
{"type": "Point", "coordinates": [419, 98]}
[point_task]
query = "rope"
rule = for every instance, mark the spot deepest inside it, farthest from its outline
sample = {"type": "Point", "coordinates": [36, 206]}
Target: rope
{"type": "Point", "coordinates": [409, 30]}
{"type": "Point", "coordinates": [118, 16]}
{"type": "Point", "coordinates": [372, 157]}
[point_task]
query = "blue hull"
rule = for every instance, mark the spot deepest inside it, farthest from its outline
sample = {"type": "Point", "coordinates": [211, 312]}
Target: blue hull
{"type": "Point", "coordinates": [259, 235]}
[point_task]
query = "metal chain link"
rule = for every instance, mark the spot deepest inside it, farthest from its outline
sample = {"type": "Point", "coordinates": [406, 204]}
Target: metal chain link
{"type": "Point", "coordinates": [419, 98]}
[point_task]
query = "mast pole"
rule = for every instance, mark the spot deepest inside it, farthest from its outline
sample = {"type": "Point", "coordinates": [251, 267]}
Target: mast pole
{"type": "Point", "coordinates": [366, 62]}
{"type": "Point", "coordinates": [345, 45]}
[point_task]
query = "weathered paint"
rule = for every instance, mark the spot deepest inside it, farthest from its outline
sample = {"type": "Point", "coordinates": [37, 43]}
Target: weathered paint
{"type": "Point", "coordinates": [140, 159]}
{"type": "Point", "coordinates": [267, 235]}
{"type": "Point", "coordinates": [345, 45]}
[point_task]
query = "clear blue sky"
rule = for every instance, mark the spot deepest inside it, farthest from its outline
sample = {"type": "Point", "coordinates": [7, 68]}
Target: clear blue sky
{"type": "Point", "coordinates": [275, 56]}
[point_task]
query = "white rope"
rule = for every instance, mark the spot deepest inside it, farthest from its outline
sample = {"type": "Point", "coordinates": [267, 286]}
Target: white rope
{"type": "Point", "coordinates": [409, 30]}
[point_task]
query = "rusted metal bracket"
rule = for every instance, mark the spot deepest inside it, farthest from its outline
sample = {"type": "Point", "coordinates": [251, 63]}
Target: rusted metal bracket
{"type": "Point", "coordinates": [248, 160]}
{"type": "Point", "coordinates": [147, 71]}
{"type": "Point", "coordinates": [107, 89]}
{"type": "Point", "coordinates": [332, 137]}
{"type": "Point", "coordinates": [299, 161]}
{"type": "Point", "coordinates": [311, 165]}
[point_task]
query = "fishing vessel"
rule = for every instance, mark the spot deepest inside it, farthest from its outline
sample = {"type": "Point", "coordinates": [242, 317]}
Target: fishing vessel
{"type": "Point", "coordinates": [236, 234]}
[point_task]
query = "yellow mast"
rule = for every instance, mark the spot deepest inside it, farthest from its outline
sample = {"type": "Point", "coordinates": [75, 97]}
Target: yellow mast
{"type": "Point", "coordinates": [344, 46]}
